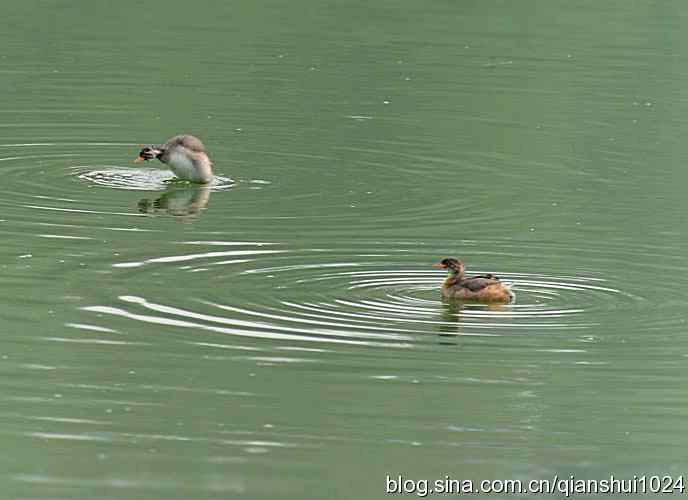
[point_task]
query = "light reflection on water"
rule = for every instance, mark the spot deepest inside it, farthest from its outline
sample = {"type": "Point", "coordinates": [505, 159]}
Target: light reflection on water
{"type": "Point", "coordinates": [362, 300]}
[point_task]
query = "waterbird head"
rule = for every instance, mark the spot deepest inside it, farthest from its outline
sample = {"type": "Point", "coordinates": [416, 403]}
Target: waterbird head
{"type": "Point", "coordinates": [148, 153]}
{"type": "Point", "coordinates": [454, 266]}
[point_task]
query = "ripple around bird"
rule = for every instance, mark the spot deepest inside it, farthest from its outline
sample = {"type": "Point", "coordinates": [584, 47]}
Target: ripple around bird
{"type": "Point", "coordinates": [318, 296]}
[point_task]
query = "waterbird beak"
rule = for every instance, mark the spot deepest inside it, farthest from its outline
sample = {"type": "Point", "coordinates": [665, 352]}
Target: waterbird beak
{"type": "Point", "coordinates": [138, 159]}
{"type": "Point", "coordinates": [438, 266]}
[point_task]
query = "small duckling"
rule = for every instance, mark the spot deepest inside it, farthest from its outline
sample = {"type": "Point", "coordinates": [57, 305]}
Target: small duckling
{"type": "Point", "coordinates": [186, 156]}
{"type": "Point", "coordinates": [484, 288]}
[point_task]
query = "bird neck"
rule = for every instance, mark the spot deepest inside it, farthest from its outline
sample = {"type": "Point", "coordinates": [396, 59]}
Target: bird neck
{"type": "Point", "coordinates": [453, 277]}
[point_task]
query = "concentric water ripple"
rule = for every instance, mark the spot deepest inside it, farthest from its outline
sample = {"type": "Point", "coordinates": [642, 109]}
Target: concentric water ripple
{"type": "Point", "coordinates": [48, 179]}
{"type": "Point", "coordinates": [57, 170]}
{"type": "Point", "coordinates": [51, 164]}
{"type": "Point", "coordinates": [315, 295]}
{"type": "Point", "coordinates": [408, 300]}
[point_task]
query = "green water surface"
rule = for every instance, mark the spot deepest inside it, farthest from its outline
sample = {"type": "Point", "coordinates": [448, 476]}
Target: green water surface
{"type": "Point", "coordinates": [280, 334]}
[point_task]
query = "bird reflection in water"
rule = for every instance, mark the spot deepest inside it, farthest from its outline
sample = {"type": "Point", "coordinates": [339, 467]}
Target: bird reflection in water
{"type": "Point", "coordinates": [185, 202]}
{"type": "Point", "coordinates": [450, 328]}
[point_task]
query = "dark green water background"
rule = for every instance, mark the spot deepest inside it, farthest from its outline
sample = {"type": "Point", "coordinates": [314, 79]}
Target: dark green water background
{"type": "Point", "coordinates": [281, 335]}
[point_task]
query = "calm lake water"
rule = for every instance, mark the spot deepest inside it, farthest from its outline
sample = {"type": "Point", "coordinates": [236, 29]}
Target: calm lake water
{"type": "Point", "coordinates": [280, 334]}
